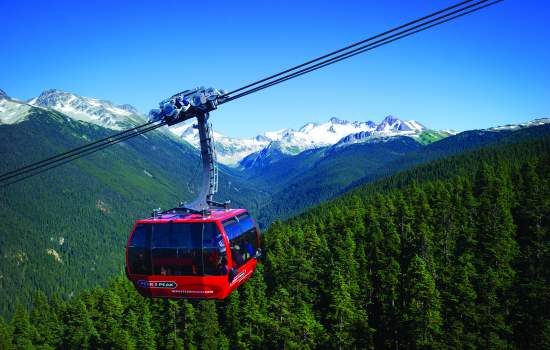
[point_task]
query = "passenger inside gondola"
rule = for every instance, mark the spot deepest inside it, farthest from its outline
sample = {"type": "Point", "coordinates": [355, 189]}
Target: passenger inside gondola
{"type": "Point", "coordinates": [241, 232]}
{"type": "Point", "coordinates": [221, 267]}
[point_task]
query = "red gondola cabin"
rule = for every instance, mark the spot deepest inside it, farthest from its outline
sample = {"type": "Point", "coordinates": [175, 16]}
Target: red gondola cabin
{"type": "Point", "coordinates": [183, 255]}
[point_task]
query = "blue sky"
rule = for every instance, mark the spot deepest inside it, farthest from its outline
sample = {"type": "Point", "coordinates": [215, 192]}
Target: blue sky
{"type": "Point", "coordinates": [486, 69]}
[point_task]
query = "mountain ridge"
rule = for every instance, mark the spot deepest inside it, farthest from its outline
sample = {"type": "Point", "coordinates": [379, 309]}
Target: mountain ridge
{"type": "Point", "coordinates": [92, 110]}
{"type": "Point", "coordinates": [311, 135]}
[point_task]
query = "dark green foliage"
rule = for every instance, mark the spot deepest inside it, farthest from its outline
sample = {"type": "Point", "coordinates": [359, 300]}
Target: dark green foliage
{"type": "Point", "coordinates": [422, 314]}
{"type": "Point", "coordinates": [453, 254]}
{"type": "Point", "coordinates": [5, 336]}
{"type": "Point", "coordinates": [79, 330]}
{"type": "Point", "coordinates": [23, 332]}
{"type": "Point", "coordinates": [208, 333]}
{"type": "Point", "coordinates": [73, 221]}
{"type": "Point", "coordinates": [532, 217]}
{"type": "Point", "coordinates": [46, 320]}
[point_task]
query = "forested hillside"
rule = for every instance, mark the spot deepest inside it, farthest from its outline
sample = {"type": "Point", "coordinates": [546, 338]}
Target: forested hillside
{"type": "Point", "coordinates": [66, 229]}
{"type": "Point", "coordinates": [299, 182]}
{"type": "Point", "coordinates": [454, 254]}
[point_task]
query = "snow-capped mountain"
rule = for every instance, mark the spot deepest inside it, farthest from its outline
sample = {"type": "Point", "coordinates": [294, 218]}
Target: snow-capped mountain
{"type": "Point", "coordinates": [229, 150]}
{"type": "Point", "coordinates": [310, 136]}
{"type": "Point", "coordinates": [390, 125]}
{"type": "Point", "coordinates": [12, 111]}
{"type": "Point", "coordinates": [91, 110]}
{"type": "Point", "coordinates": [313, 135]}
{"type": "Point", "coordinates": [534, 122]}
{"type": "Point", "coordinates": [234, 151]}
{"type": "Point", "coordinates": [267, 155]}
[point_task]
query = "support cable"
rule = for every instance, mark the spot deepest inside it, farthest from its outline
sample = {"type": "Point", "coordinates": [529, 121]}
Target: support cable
{"type": "Point", "coordinates": [73, 156]}
{"type": "Point", "coordinates": [61, 155]}
{"type": "Point", "coordinates": [348, 47]}
{"type": "Point", "coordinates": [399, 35]}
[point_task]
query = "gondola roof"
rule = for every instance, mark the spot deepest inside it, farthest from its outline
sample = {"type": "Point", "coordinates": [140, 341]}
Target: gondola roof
{"type": "Point", "coordinates": [214, 215]}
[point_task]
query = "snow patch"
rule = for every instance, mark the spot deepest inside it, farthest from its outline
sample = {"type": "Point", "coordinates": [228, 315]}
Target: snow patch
{"type": "Point", "coordinates": [229, 150]}
{"type": "Point", "coordinates": [534, 122]}
{"type": "Point", "coordinates": [91, 110]}
{"type": "Point", "coordinates": [12, 112]}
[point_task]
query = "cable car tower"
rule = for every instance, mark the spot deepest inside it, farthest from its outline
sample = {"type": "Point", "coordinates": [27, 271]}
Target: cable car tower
{"type": "Point", "coordinates": [188, 104]}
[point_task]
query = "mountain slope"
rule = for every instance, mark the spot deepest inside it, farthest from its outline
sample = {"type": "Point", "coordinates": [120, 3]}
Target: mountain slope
{"type": "Point", "coordinates": [316, 175]}
{"type": "Point", "coordinates": [407, 262]}
{"type": "Point", "coordinates": [91, 110]}
{"type": "Point", "coordinates": [72, 223]}
{"type": "Point", "coordinates": [324, 173]}
{"type": "Point", "coordinates": [436, 232]}
{"type": "Point", "coordinates": [12, 111]}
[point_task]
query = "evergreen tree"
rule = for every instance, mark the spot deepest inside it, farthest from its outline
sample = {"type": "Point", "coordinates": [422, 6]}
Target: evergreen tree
{"type": "Point", "coordinates": [208, 334]}
{"type": "Point", "coordinates": [496, 251]}
{"type": "Point", "coordinates": [281, 321]}
{"type": "Point", "coordinates": [232, 321]}
{"type": "Point", "coordinates": [388, 276]}
{"type": "Point", "coordinates": [5, 336]}
{"type": "Point", "coordinates": [46, 321]}
{"type": "Point", "coordinates": [311, 333]}
{"type": "Point", "coordinates": [254, 323]}
{"type": "Point", "coordinates": [23, 331]}
{"type": "Point", "coordinates": [461, 321]}
{"type": "Point", "coordinates": [145, 336]}
{"type": "Point", "coordinates": [342, 312]}
{"type": "Point", "coordinates": [532, 216]}
{"type": "Point", "coordinates": [108, 320]}
{"type": "Point", "coordinates": [422, 316]}
{"type": "Point", "coordinates": [170, 315]}
{"type": "Point", "coordinates": [186, 324]}
{"type": "Point", "coordinates": [80, 332]}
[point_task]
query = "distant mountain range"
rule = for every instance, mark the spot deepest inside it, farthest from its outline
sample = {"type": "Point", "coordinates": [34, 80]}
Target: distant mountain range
{"type": "Point", "coordinates": [231, 151]}
{"type": "Point", "coordinates": [235, 151]}
{"type": "Point", "coordinates": [86, 109]}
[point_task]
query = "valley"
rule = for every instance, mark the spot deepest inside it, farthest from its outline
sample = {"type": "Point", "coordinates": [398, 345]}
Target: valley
{"type": "Point", "coordinates": [406, 261]}
{"type": "Point", "coordinates": [81, 213]}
